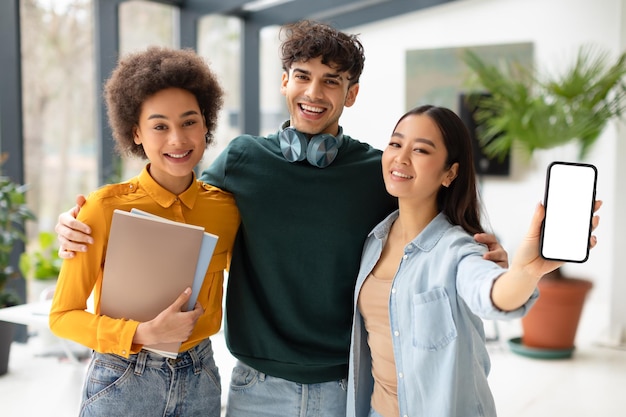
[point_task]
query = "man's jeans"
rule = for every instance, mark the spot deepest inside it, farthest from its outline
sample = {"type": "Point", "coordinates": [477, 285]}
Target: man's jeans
{"type": "Point", "coordinates": [255, 394]}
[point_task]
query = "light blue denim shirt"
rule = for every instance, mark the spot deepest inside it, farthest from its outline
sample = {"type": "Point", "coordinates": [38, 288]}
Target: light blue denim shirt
{"type": "Point", "coordinates": [441, 290]}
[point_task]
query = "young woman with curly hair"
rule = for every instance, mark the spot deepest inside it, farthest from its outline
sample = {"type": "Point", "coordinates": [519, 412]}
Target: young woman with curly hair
{"type": "Point", "coordinates": [162, 106]}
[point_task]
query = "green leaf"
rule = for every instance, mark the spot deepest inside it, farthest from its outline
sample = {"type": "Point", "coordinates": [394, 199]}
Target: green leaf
{"type": "Point", "coordinates": [532, 111]}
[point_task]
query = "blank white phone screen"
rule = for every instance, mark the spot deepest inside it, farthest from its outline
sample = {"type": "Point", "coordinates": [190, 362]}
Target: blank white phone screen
{"type": "Point", "coordinates": [569, 200]}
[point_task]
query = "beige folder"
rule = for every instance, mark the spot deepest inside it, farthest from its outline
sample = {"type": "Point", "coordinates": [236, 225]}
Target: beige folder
{"type": "Point", "coordinates": [149, 262]}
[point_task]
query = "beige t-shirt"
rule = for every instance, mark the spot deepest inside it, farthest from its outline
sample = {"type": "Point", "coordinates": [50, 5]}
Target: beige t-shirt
{"type": "Point", "coordinates": [373, 303]}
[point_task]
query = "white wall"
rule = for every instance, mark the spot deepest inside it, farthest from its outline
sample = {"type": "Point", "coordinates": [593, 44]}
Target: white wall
{"type": "Point", "coordinates": [557, 28]}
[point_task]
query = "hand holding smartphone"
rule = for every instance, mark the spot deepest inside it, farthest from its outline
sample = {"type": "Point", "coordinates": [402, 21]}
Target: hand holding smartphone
{"type": "Point", "coordinates": [569, 200]}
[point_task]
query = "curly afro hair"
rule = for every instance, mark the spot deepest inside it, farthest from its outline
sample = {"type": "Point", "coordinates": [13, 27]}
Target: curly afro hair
{"type": "Point", "coordinates": [140, 75]}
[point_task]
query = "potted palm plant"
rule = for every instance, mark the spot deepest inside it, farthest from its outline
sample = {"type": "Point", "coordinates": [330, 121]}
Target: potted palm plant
{"type": "Point", "coordinates": [525, 110]}
{"type": "Point", "coordinates": [13, 214]}
{"type": "Point", "coordinates": [528, 111]}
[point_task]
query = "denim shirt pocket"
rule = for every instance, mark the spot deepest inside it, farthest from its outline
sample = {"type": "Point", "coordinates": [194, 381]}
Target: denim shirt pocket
{"type": "Point", "coordinates": [433, 324]}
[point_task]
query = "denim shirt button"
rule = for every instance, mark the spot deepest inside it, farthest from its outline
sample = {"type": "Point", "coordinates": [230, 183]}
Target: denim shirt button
{"type": "Point", "coordinates": [396, 333]}
{"type": "Point", "coordinates": [405, 257]}
{"type": "Point", "coordinates": [393, 290]}
{"type": "Point", "coordinates": [400, 375]}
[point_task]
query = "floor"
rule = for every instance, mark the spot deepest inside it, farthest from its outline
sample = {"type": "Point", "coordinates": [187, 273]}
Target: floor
{"type": "Point", "coordinates": [591, 383]}
{"type": "Point", "coordinates": [42, 381]}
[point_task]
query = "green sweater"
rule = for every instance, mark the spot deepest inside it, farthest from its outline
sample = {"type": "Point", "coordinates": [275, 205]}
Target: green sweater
{"type": "Point", "coordinates": [297, 253]}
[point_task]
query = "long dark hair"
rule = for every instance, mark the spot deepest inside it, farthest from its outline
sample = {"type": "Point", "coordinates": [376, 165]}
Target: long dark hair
{"type": "Point", "coordinates": [459, 202]}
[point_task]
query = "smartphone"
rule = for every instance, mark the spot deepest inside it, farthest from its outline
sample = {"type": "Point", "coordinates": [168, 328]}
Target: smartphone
{"type": "Point", "coordinates": [569, 199]}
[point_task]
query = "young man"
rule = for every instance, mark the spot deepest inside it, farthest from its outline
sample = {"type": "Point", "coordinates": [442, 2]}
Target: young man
{"type": "Point", "coordinates": [308, 196]}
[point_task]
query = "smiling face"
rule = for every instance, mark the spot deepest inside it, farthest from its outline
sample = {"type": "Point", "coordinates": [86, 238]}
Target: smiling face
{"type": "Point", "coordinates": [414, 161]}
{"type": "Point", "coordinates": [171, 130]}
{"type": "Point", "coordinates": [316, 95]}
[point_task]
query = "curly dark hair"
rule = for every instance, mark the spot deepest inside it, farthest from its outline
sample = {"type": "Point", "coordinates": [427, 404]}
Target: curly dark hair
{"type": "Point", "coordinates": [140, 75]}
{"type": "Point", "coordinates": [308, 39]}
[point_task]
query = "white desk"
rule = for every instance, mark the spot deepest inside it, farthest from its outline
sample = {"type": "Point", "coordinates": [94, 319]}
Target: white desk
{"type": "Point", "coordinates": [35, 314]}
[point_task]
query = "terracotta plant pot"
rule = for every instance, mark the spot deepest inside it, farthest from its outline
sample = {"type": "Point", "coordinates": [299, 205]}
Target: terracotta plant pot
{"type": "Point", "coordinates": [553, 321]}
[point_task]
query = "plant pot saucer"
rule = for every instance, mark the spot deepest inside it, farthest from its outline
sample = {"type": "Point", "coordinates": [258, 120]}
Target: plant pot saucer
{"type": "Point", "coordinates": [518, 347]}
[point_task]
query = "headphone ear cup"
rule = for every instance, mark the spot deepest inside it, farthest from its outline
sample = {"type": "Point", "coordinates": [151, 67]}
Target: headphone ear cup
{"type": "Point", "coordinates": [319, 151]}
{"type": "Point", "coordinates": [322, 150]}
{"type": "Point", "coordinates": [293, 145]}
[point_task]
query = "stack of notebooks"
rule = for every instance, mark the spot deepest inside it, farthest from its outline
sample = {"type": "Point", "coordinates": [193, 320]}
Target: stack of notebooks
{"type": "Point", "coordinates": [149, 262]}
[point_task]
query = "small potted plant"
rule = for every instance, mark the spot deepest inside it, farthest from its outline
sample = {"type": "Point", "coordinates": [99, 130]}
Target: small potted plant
{"type": "Point", "coordinates": [525, 110]}
{"type": "Point", "coordinates": [13, 215]}
{"type": "Point", "coordinates": [41, 264]}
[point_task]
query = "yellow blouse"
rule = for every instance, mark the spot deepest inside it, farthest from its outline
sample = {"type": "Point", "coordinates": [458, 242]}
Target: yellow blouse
{"type": "Point", "coordinates": [201, 204]}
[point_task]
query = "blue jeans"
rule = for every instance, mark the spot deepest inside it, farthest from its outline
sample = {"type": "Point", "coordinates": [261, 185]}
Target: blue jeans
{"type": "Point", "coordinates": [373, 413]}
{"type": "Point", "coordinates": [148, 384]}
{"type": "Point", "coordinates": [255, 394]}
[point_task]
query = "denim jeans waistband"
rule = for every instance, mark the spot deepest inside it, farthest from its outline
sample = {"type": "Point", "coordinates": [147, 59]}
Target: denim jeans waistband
{"type": "Point", "coordinates": [192, 357]}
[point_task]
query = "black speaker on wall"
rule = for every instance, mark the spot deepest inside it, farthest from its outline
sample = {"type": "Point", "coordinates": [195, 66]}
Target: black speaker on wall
{"type": "Point", "coordinates": [484, 165]}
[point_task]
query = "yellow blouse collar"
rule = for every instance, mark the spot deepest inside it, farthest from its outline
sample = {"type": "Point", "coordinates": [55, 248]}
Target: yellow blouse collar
{"type": "Point", "coordinates": [164, 197]}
